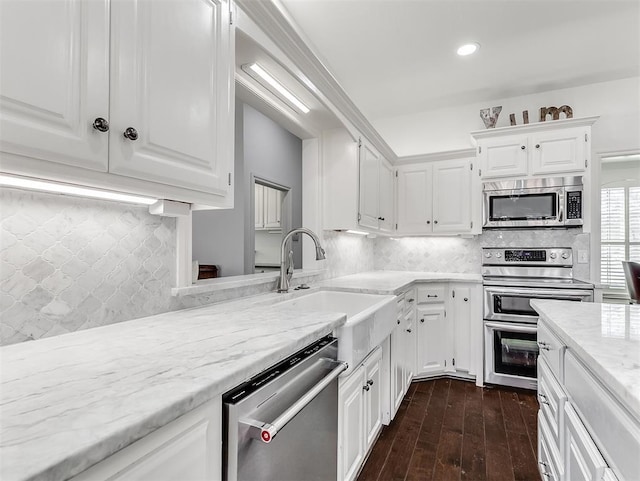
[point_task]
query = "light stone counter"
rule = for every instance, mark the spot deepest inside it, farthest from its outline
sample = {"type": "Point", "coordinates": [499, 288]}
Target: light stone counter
{"type": "Point", "coordinates": [70, 401]}
{"type": "Point", "coordinates": [393, 282]}
{"type": "Point", "coordinates": [606, 337]}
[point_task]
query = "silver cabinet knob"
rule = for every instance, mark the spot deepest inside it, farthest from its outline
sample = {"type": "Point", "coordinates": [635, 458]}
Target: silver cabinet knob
{"type": "Point", "coordinates": [131, 133]}
{"type": "Point", "coordinates": [537, 146]}
{"type": "Point", "coordinates": [466, 299]}
{"type": "Point", "coordinates": [370, 382]}
{"type": "Point", "coordinates": [428, 222]}
{"type": "Point", "coordinates": [409, 330]}
{"type": "Point", "coordinates": [435, 221]}
{"type": "Point", "coordinates": [398, 321]}
{"type": "Point", "coordinates": [421, 320]}
{"type": "Point", "coordinates": [101, 125]}
{"type": "Point", "coordinates": [366, 387]}
{"type": "Point", "coordinates": [522, 147]}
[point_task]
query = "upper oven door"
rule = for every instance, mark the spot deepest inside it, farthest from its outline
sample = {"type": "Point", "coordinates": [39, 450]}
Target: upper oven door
{"type": "Point", "coordinates": [513, 304]}
{"type": "Point", "coordinates": [542, 207]}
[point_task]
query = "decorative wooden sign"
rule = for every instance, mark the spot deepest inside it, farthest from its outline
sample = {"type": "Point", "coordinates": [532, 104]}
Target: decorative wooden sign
{"type": "Point", "coordinates": [490, 119]}
{"type": "Point", "coordinates": [555, 112]}
{"type": "Point", "coordinates": [525, 118]}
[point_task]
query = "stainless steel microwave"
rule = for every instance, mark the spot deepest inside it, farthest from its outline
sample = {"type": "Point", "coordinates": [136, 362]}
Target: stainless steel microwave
{"type": "Point", "coordinates": [540, 202]}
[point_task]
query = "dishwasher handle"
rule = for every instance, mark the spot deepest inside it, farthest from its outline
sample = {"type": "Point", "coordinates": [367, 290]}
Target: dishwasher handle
{"type": "Point", "coordinates": [267, 431]}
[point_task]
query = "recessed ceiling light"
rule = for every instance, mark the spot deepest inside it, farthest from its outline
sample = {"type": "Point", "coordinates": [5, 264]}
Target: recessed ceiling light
{"type": "Point", "coordinates": [468, 49]}
{"type": "Point", "coordinates": [256, 70]}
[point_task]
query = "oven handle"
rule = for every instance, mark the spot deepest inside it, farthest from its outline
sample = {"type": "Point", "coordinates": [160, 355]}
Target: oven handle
{"type": "Point", "coordinates": [267, 431]}
{"type": "Point", "coordinates": [539, 293]}
{"type": "Point", "coordinates": [508, 326]}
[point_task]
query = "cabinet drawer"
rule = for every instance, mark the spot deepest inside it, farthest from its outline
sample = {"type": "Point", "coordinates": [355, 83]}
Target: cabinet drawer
{"type": "Point", "coordinates": [612, 428]}
{"type": "Point", "coordinates": [551, 397]}
{"type": "Point", "coordinates": [551, 350]}
{"type": "Point", "coordinates": [409, 300]}
{"type": "Point", "coordinates": [431, 294]}
{"type": "Point", "coordinates": [549, 460]}
{"type": "Point", "coordinates": [583, 461]}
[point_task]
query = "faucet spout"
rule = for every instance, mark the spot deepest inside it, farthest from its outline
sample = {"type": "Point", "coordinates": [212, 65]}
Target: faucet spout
{"type": "Point", "coordinates": [286, 259]}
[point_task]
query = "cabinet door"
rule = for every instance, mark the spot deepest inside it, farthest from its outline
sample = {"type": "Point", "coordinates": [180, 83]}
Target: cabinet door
{"type": "Point", "coordinates": [386, 196]}
{"type": "Point", "coordinates": [369, 186]}
{"type": "Point", "coordinates": [273, 206]}
{"type": "Point", "coordinates": [373, 397]}
{"type": "Point", "coordinates": [351, 425]}
{"type": "Point", "coordinates": [433, 341]}
{"type": "Point", "coordinates": [410, 336]}
{"type": "Point", "coordinates": [462, 328]}
{"type": "Point", "coordinates": [504, 156]}
{"type": "Point", "coordinates": [583, 461]}
{"type": "Point", "coordinates": [188, 449]}
{"type": "Point", "coordinates": [259, 205]}
{"type": "Point", "coordinates": [172, 81]}
{"type": "Point", "coordinates": [397, 367]}
{"type": "Point", "coordinates": [452, 196]}
{"type": "Point", "coordinates": [54, 80]}
{"type": "Point", "coordinates": [558, 151]}
{"type": "Point", "coordinates": [415, 198]}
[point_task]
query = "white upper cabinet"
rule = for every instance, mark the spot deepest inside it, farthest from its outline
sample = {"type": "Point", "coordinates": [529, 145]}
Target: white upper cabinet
{"type": "Point", "coordinates": [540, 149]}
{"type": "Point", "coordinates": [369, 186]}
{"type": "Point", "coordinates": [558, 151]}
{"type": "Point", "coordinates": [169, 82]}
{"type": "Point", "coordinates": [133, 96]}
{"type": "Point", "coordinates": [357, 183]}
{"type": "Point", "coordinates": [54, 80]}
{"type": "Point", "coordinates": [415, 198]}
{"type": "Point", "coordinates": [435, 197]}
{"type": "Point", "coordinates": [452, 196]}
{"type": "Point", "coordinates": [504, 156]}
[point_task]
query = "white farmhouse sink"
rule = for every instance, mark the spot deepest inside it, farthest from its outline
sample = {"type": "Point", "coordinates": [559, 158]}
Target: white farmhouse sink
{"type": "Point", "coordinates": [370, 319]}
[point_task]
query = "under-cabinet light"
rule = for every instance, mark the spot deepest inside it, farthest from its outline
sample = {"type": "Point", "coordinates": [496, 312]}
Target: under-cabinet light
{"type": "Point", "coordinates": [273, 83]}
{"type": "Point", "coordinates": [359, 232]}
{"type": "Point", "coordinates": [69, 189]}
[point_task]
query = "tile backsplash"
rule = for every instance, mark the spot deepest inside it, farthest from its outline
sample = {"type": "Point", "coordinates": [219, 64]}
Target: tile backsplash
{"type": "Point", "coordinates": [70, 263]}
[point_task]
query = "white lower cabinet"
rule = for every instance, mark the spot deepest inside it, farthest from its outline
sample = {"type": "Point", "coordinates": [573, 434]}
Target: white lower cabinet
{"type": "Point", "coordinates": [188, 449]}
{"type": "Point", "coordinates": [584, 434]}
{"type": "Point", "coordinates": [434, 347]}
{"type": "Point", "coordinates": [359, 414]}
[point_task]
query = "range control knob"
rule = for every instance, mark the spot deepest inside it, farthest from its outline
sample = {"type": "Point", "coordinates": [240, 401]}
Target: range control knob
{"type": "Point", "coordinates": [565, 255]}
{"type": "Point", "coordinates": [553, 255]}
{"type": "Point", "coordinates": [488, 255]}
{"type": "Point", "coordinates": [498, 255]}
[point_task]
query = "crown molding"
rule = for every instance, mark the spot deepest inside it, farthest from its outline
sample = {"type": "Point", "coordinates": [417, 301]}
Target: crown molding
{"type": "Point", "coordinates": [277, 25]}
{"type": "Point", "coordinates": [534, 127]}
{"type": "Point", "coordinates": [434, 156]}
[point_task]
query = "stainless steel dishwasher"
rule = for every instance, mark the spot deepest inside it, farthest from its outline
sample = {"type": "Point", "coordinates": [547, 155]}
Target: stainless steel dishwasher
{"type": "Point", "coordinates": [282, 425]}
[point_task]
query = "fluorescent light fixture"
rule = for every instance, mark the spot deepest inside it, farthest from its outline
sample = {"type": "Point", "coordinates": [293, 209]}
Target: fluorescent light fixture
{"type": "Point", "coordinates": [468, 49]}
{"type": "Point", "coordinates": [358, 232]}
{"type": "Point", "coordinates": [277, 86]}
{"type": "Point", "coordinates": [69, 189]}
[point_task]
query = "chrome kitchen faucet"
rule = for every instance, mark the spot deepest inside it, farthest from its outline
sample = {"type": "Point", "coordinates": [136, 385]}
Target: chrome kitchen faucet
{"type": "Point", "coordinates": [286, 260]}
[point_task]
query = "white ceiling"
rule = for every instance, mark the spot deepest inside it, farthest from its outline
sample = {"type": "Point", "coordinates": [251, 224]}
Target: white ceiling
{"type": "Point", "coordinates": [397, 57]}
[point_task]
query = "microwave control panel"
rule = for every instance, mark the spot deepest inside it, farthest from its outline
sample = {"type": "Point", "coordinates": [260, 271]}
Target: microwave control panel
{"type": "Point", "coordinates": [574, 205]}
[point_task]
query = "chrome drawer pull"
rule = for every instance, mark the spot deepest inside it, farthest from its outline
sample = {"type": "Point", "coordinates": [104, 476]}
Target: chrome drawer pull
{"type": "Point", "coordinates": [543, 399]}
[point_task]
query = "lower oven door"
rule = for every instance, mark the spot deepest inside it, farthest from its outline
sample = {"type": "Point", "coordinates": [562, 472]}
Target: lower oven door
{"type": "Point", "coordinates": [513, 303]}
{"type": "Point", "coordinates": [511, 353]}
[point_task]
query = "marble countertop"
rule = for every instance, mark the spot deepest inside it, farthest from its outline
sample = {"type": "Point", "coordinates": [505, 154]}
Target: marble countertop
{"type": "Point", "coordinates": [606, 337]}
{"type": "Point", "coordinates": [53, 415]}
{"type": "Point", "coordinates": [393, 282]}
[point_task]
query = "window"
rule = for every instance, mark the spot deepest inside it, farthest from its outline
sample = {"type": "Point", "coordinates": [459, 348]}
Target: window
{"type": "Point", "coordinates": [620, 232]}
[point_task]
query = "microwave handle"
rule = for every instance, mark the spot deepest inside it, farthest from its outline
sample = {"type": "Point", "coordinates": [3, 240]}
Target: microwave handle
{"type": "Point", "coordinates": [560, 205]}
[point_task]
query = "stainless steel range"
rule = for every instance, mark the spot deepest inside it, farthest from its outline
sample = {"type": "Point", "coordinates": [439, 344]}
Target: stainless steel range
{"type": "Point", "coordinates": [511, 278]}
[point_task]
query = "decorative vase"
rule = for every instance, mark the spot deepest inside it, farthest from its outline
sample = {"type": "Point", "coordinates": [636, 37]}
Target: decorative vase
{"type": "Point", "coordinates": [490, 119]}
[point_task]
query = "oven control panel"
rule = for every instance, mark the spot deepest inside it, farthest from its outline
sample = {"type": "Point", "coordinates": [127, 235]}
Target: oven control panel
{"type": "Point", "coordinates": [535, 256]}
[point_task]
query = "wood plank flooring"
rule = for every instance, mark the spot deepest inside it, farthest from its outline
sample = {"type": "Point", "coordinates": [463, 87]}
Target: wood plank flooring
{"type": "Point", "coordinates": [450, 430]}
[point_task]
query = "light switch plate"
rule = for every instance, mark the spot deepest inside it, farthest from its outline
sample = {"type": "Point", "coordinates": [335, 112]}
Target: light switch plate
{"type": "Point", "coordinates": [583, 257]}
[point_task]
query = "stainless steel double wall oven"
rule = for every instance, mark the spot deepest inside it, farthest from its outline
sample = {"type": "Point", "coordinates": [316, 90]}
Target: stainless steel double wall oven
{"type": "Point", "coordinates": [511, 279]}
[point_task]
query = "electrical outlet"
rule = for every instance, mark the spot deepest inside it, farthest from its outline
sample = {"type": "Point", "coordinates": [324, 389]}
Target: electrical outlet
{"type": "Point", "coordinates": [583, 257]}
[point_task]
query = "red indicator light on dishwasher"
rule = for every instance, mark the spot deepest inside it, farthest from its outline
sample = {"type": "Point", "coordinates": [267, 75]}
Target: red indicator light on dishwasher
{"type": "Point", "coordinates": [266, 437]}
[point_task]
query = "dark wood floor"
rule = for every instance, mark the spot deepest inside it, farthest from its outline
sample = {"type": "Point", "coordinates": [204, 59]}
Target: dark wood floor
{"type": "Point", "coordinates": [452, 430]}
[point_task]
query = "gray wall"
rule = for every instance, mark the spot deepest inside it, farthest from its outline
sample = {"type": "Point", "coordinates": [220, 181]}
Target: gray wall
{"type": "Point", "coordinates": [263, 149]}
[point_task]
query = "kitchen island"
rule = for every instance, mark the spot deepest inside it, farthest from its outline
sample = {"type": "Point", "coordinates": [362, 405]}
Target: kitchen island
{"type": "Point", "coordinates": [589, 390]}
